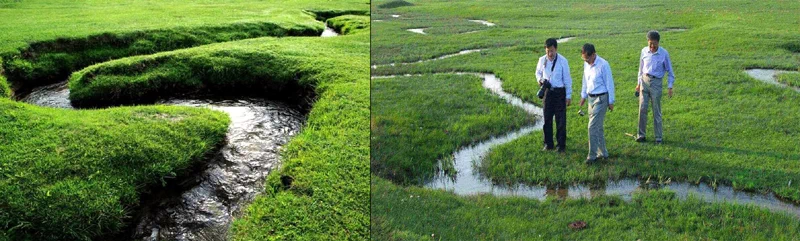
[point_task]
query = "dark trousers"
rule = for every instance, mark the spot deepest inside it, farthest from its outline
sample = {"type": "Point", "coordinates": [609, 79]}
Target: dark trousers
{"type": "Point", "coordinates": [555, 104]}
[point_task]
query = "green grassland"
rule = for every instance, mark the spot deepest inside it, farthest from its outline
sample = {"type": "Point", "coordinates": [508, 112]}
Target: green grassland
{"type": "Point", "coordinates": [720, 127]}
{"type": "Point", "coordinates": [414, 213]}
{"type": "Point", "coordinates": [77, 174]}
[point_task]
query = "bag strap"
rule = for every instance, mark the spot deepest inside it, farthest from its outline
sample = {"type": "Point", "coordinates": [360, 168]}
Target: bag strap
{"type": "Point", "coordinates": [554, 65]}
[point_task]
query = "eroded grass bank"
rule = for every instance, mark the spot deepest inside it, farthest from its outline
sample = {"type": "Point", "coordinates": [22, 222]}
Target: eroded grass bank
{"type": "Point", "coordinates": [76, 174]}
{"type": "Point", "coordinates": [325, 170]}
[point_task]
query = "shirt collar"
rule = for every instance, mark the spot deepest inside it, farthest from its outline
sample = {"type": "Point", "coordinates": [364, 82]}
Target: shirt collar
{"type": "Point", "coordinates": [596, 59]}
{"type": "Point", "coordinates": [657, 50]}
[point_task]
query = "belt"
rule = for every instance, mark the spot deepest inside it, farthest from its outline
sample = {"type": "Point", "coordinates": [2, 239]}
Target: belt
{"type": "Point", "coordinates": [557, 88]}
{"type": "Point", "coordinates": [596, 95]}
{"type": "Point", "coordinates": [652, 76]}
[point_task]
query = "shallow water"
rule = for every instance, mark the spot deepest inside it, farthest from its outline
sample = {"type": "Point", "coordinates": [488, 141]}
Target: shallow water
{"type": "Point", "coordinates": [769, 76]}
{"type": "Point", "coordinates": [484, 22]}
{"type": "Point", "coordinates": [231, 180]}
{"type": "Point", "coordinates": [468, 181]}
{"type": "Point", "coordinates": [417, 30]}
{"type": "Point", "coordinates": [54, 95]}
{"type": "Point", "coordinates": [329, 32]}
{"type": "Point", "coordinates": [462, 52]}
{"type": "Point", "coordinates": [203, 206]}
{"type": "Point", "coordinates": [564, 40]}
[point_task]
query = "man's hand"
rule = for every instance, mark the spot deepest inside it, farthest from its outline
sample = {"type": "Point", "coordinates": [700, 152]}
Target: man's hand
{"type": "Point", "coordinates": [569, 102]}
{"type": "Point", "coordinates": [611, 107]}
{"type": "Point", "coordinates": [669, 93]}
{"type": "Point", "coordinates": [582, 101]}
{"type": "Point", "coordinates": [638, 87]}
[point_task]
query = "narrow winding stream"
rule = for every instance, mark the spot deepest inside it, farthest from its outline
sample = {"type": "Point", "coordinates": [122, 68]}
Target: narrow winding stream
{"type": "Point", "coordinates": [202, 206]}
{"type": "Point", "coordinates": [468, 181]}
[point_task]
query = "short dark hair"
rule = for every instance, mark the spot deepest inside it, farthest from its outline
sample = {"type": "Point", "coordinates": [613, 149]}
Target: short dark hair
{"type": "Point", "coordinates": [588, 49]}
{"type": "Point", "coordinates": [551, 42]}
{"type": "Point", "coordinates": [653, 35]}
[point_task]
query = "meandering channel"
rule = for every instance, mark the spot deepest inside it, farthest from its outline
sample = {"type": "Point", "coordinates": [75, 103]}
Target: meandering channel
{"type": "Point", "coordinates": [203, 205]}
{"type": "Point", "coordinates": [469, 181]}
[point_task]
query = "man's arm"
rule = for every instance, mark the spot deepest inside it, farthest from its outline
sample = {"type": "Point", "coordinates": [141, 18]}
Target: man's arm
{"type": "Point", "coordinates": [668, 68]}
{"type": "Point", "coordinates": [583, 84]}
{"type": "Point", "coordinates": [607, 76]}
{"type": "Point", "coordinates": [639, 77]}
{"type": "Point", "coordinates": [567, 78]}
{"type": "Point", "coordinates": [539, 70]}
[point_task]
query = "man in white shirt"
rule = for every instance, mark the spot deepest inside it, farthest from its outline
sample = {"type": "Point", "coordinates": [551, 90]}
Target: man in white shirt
{"type": "Point", "coordinates": [553, 69]}
{"type": "Point", "coordinates": [598, 87]}
{"type": "Point", "coordinates": [654, 63]}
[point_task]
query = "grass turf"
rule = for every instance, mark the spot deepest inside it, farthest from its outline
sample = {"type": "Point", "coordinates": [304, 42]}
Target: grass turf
{"type": "Point", "coordinates": [791, 79]}
{"type": "Point", "coordinates": [721, 127]}
{"type": "Point", "coordinates": [151, 142]}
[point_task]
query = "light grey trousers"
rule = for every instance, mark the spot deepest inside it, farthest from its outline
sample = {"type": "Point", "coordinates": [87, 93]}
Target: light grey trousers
{"type": "Point", "coordinates": [597, 114]}
{"type": "Point", "coordinates": [651, 93]}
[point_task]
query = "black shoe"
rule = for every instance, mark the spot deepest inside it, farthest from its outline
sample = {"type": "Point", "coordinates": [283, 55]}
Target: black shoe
{"type": "Point", "coordinates": [658, 142]}
{"type": "Point", "coordinates": [561, 150]}
{"type": "Point", "coordinates": [546, 148]}
{"type": "Point", "coordinates": [640, 139]}
{"type": "Point", "coordinates": [589, 161]}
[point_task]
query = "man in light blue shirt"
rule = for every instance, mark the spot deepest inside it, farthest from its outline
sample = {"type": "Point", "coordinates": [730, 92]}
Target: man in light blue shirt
{"type": "Point", "coordinates": [598, 87]}
{"type": "Point", "coordinates": [654, 63]}
{"type": "Point", "coordinates": [553, 69]}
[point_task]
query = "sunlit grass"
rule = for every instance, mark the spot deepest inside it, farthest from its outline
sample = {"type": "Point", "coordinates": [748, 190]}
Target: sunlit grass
{"type": "Point", "coordinates": [722, 126]}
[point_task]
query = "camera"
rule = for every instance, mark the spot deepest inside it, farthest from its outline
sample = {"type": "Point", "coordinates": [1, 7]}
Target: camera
{"type": "Point", "coordinates": [545, 86]}
{"type": "Point", "coordinates": [636, 94]}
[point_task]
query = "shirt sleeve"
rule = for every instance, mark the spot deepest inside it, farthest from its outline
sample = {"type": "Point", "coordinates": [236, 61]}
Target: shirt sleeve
{"type": "Point", "coordinates": [583, 82]}
{"type": "Point", "coordinates": [609, 82]}
{"type": "Point", "coordinates": [567, 78]}
{"type": "Point", "coordinates": [641, 65]}
{"type": "Point", "coordinates": [668, 68]}
{"type": "Point", "coordinates": [539, 70]}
